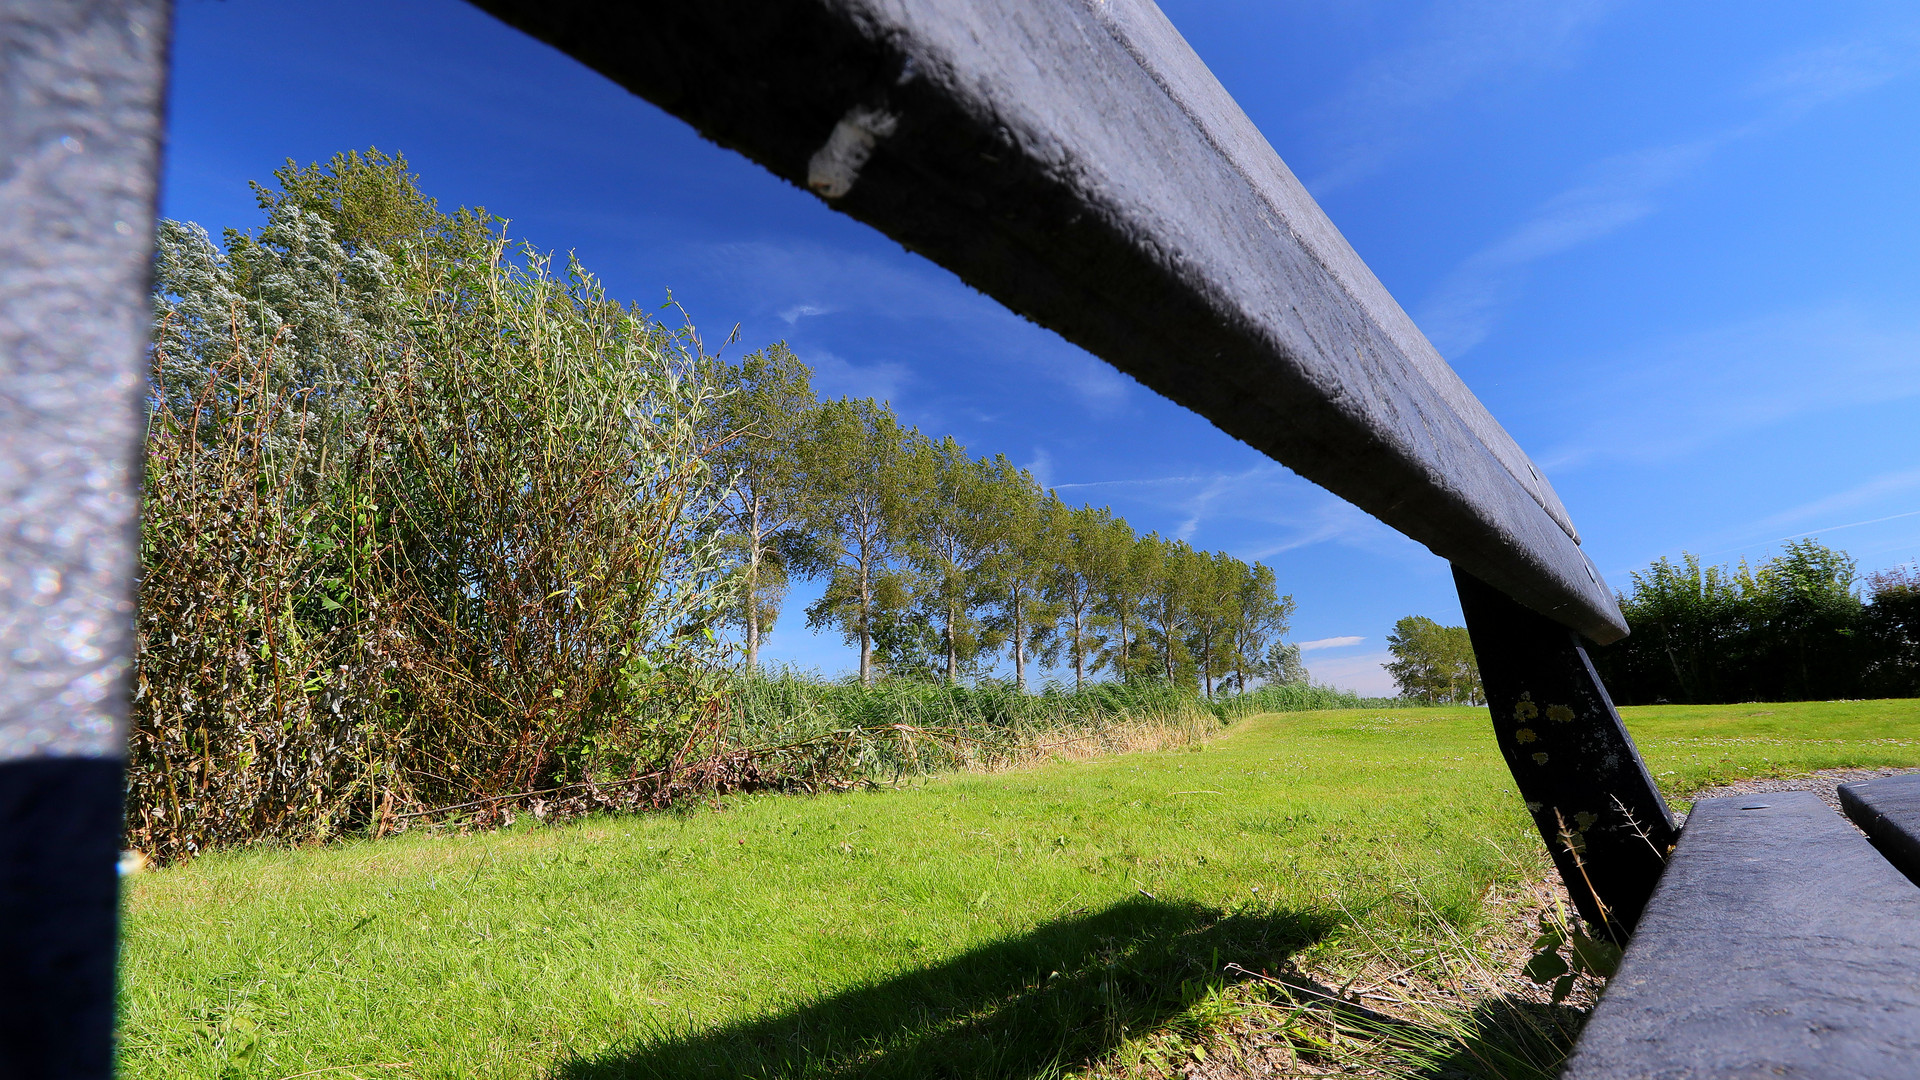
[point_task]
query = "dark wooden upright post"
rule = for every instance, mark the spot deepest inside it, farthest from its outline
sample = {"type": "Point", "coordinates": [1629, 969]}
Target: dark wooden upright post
{"type": "Point", "coordinates": [82, 95]}
{"type": "Point", "coordinates": [1583, 781]}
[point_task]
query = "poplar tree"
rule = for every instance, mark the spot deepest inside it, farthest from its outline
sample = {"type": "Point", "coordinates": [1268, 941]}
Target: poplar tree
{"type": "Point", "coordinates": [1124, 589]}
{"type": "Point", "coordinates": [854, 470]}
{"type": "Point", "coordinates": [764, 416]}
{"type": "Point", "coordinates": [1084, 556]}
{"type": "Point", "coordinates": [1213, 608]}
{"type": "Point", "coordinates": [1172, 575]}
{"type": "Point", "coordinates": [951, 505]}
{"type": "Point", "coordinates": [1261, 618]}
{"type": "Point", "coordinates": [1018, 568]}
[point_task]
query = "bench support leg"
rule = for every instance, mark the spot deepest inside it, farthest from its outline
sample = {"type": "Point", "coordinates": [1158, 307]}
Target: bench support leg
{"type": "Point", "coordinates": [1572, 759]}
{"type": "Point", "coordinates": [84, 87]}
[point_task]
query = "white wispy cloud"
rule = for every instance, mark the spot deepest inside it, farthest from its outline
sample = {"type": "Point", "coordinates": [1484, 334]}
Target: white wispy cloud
{"type": "Point", "coordinates": [1668, 396]}
{"type": "Point", "coordinates": [1143, 481]}
{"type": "Point", "coordinates": [1459, 46]}
{"type": "Point", "coordinates": [1828, 72]}
{"type": "Point", "coordinates": [834, 376]}
{"type": "Point", "coordinates": [800, 311]}
{"type": "Point", "coordinates": [797, 279]}
{"type": "Point", "coordinates": [1822, 517]}
{"type": "Point", "coordinates": [1623, 189]}
{"type": "Point", "coordinates": [1816, 518]}
{"type": "Point", "coordinates": [1329, 643]}
{"type": "Point", "coordinates": [1872, 491]}
{"type": "Point", "coordinates": [1041, 467]}
{"type": "Point", "coordinates": [1102, 390]}
{"type": "Point", "coordinates": [1464, 308]}
{"type": "Point", "coordinates": [1334, 521]}
{"type": "Point", "coordinates": [1292, 512]}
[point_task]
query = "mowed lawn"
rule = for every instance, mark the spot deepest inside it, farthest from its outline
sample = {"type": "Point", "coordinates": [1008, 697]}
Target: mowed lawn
{"type": "Point", "coordinates": [1018, 924]}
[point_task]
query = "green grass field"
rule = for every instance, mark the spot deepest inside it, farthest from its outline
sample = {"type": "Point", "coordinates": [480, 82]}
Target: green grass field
{"type": "Point", "coordinates": [1020, 924]}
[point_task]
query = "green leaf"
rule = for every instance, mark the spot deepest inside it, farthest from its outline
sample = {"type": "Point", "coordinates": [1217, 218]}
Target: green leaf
{"type": "Point", "coordinates": [1549, 941]}
{"type": "Point", "coordinates": [1600, 957]}
{"type": "Point", "coordinates": [1545, 966]}
{"type": "Point", "coordinates": [329, 603]}
{"type": "Point", "coordinates": [1561, 988]}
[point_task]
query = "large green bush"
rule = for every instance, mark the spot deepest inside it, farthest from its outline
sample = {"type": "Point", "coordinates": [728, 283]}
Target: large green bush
{"type": "Point", "coordinates": [427, 522]}
{"type": "Point", "coordinates": [1793, 628]}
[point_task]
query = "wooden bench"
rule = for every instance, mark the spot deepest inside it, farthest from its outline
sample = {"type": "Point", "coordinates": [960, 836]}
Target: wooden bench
{"type": "Point", "coordinates": [1075, 160]}
{"type": "Point", "coordinates": [1778, 943]}
{"type": "Point", "coordinates": [1888, 811]}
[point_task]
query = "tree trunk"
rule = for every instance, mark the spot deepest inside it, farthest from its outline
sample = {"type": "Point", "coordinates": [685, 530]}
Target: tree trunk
{"type": "Point", "coordinates": [1079, 659]}
{"type": "Point", "coordinates": [866, 620]}
{"type": "Point", "coordinates": [753, 587]}
{"type": "Point", "coordinates": [1019, 655]}
{"type": "Point", "coordinates": [953, 651]}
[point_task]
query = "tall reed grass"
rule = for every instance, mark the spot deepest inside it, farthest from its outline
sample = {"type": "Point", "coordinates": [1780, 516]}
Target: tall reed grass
{"type": "Point", "coordinates": [1301, 697]}
{"type": "Point", "coordinates": [807, 731]}
{"type": "Point", "coordinates": [418, 532]}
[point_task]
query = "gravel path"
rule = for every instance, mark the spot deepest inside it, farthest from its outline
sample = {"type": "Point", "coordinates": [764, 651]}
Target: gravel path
{"type": "Point", "coordinates": [1824, 783]}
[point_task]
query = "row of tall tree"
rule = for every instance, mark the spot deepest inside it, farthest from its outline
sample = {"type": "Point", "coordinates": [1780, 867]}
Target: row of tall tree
{"type": "Point", "coordinates": [937, 563]}
{"type": "Point", "coordinates": [1795, 627]}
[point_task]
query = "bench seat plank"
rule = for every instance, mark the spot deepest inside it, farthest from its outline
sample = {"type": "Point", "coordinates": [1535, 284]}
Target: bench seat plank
{"type": "Point", "coordinates": [1888, 811]}
{"type": "Point", "coordinates": [1778, 943]}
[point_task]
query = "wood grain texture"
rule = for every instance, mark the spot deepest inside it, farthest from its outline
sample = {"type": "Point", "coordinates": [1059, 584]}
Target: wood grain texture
{"type": "Point", "coordinates": [82, 93]}
{"type": "Point", "coordinates": [1779, 943]}
{"type": "Point", "coordinates": [82, 88]}
{"type": "Point", "coordinates": [1075, 160]}
{"type": "Point", "coordinates": [1888, 811]}
{"type": "Point", "coordinates": [1597, 809]}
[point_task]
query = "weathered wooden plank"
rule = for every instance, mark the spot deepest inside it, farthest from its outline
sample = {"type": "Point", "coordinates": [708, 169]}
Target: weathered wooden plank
{"type": "Point", "coordinates": [1599, 812]}
{"type": "Point", "coordinates": [81, 97]}
{"type": "Point", "coordinates": [1779, 943]}
{"type": "Point", "coordinates": [1075, 160]}
{"type": "Point", "coordinates": [1888, 811]}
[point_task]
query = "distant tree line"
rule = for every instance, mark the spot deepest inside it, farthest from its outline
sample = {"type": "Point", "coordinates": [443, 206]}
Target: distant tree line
{"type": "Point", "coordinates": [1796, 627]}
{"type": "Point", "coordinates": [936, 563]}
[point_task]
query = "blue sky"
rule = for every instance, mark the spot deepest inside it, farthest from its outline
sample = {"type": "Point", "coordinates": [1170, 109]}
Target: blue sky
{"type": "Point", "coordinates": [1674, 247]}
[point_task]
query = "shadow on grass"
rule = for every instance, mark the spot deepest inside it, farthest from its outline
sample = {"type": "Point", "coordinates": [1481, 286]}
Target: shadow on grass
{"type": "Point", "coordinates": [1029, 1006]}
